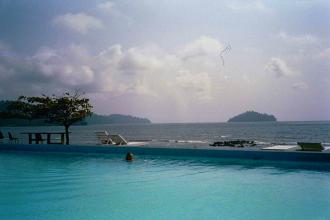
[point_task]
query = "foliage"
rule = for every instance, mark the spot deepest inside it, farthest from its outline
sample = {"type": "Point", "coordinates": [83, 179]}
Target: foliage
{"type": "Point", "coordinates": [64, 110]}
{"type": "Point", "coordinates": [92, 120]}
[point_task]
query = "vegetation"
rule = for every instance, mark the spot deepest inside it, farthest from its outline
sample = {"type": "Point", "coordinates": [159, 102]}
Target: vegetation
{"type": "Point", "coordinates": [92, 120]}
{"type": "Point", "coordinates": [61, 110]}
{"type": "Point", "coordinates": [252, 116]}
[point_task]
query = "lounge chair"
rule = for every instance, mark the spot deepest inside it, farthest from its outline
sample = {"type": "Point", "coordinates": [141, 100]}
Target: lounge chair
{"type": "Point", "coordinates": [305, 146]}
{"type": "Point", "coordinates": [12, 139]}
{"type": "Point", "coordinates": [104, 137]}
{"type": "Point", "coordinates": [118, 139]}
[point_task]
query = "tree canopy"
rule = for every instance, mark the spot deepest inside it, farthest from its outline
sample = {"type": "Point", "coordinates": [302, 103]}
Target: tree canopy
{"type": "Point", "coordinates": [63, 110]}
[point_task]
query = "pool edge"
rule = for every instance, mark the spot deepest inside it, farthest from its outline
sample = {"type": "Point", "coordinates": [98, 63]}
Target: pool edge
{"type": "Point", "coordinates": [173, 151]}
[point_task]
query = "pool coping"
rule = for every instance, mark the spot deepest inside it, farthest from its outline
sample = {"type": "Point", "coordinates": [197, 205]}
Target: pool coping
{"type": "Point", "coordinates": [234, 153]}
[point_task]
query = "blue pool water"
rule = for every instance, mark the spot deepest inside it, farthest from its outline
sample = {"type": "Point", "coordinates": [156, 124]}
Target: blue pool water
{"type": "Point", "coordinates": [72, 186]}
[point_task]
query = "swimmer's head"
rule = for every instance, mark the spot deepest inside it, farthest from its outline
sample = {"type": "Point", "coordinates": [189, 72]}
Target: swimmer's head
{"type": "Point", "coordinates": [129, 156]}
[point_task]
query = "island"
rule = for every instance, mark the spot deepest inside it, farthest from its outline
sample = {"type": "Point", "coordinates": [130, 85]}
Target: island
{"type": "Point", "coordinates": [252, 116]}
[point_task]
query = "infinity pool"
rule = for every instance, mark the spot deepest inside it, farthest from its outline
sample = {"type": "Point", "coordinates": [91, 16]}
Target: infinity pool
{"type": "Point", "coordinates": [71, 186]}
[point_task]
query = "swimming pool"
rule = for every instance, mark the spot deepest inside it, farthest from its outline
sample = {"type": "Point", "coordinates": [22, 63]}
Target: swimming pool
{"type": "Point", "coordinates": [77, 186]}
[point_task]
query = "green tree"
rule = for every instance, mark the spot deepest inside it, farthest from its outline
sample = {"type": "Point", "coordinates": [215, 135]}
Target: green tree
{"type": "Point", "coordinates": [63, 110]}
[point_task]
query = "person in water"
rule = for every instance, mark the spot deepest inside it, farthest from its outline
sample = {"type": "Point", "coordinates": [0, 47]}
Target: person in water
{"type": "Point", "coordinates": [129, 156]}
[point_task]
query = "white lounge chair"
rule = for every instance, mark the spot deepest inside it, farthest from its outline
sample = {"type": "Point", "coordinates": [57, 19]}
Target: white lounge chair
{"type": "Point", "coordinates": [118, 139]}
{"type": "Point", "coordinates": [104, 137]}
{"type": "Point", "coordinates": [115, 139]}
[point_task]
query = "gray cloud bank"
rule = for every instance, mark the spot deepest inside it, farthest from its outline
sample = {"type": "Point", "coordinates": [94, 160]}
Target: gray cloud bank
{"type": "Point", "coordinates": [162, 59]}
{"type": "Point", "coordinates": [192, 75]}
{"type": "Point", "coordinates": [146, 71]}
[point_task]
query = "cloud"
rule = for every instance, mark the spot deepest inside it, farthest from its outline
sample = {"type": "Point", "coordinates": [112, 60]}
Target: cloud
{"type": "Point", "coordinates": [279, 67]}
{"type": "Point", "coordinates": [247, 6]}
{"type": "Point", "coordinates": [203, 46]}
{"type": "Point", "coordinates": [106, 6]}
{"type": "Point", "coordinates": [136, 60]}
{"type": "Point", "coordinates": [47, 71]}
{"type": "Point", "coordinates": [298, 39]}
{"type": "Point", "coordinates": [109, 8]}
{"type": "Point", "coordinates": [200, 83]}
{"type": "Point", "coordinates": [142, 71]}
{"type": "Point", "coordinates": [67, 66]}
{"type": "Point", "coordinates": [300, 86]}
{"type": "Point", "coordinates": [324, 54]}
{"type": "Point", "coordinates": [80, 22]}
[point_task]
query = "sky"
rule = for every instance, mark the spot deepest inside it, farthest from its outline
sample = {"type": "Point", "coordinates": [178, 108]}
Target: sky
{"type": "Point", "coordinates": [172, 61]}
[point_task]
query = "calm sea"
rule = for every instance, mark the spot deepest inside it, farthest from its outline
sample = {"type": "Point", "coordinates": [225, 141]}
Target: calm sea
{"type": "Point", "coordinates": [267, 132]}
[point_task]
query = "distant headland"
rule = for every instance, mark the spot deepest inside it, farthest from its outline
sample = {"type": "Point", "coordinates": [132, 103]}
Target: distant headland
{"type": "Point", "coordinates": [252, 116]}
{"type": "Point", "coordinates": [116, 119]}
{"type": "Point", "coordinates": [92, 120]}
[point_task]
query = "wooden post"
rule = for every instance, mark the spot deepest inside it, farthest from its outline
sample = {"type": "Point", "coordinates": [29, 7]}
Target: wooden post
{"type": "Point", "coordinates": [30, 138]}
{"type": "Point", "coordinates": [48, 138]}
{"type": "Point", "coordinates": [62, 138]}
{"type": "Point", "coordinates": [37, 137]}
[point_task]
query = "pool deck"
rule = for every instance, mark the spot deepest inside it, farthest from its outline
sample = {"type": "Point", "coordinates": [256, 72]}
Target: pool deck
{"type": "Point", "coordinates": [195, 151]}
